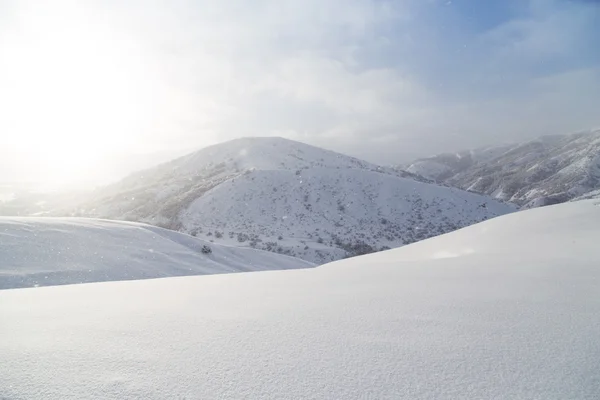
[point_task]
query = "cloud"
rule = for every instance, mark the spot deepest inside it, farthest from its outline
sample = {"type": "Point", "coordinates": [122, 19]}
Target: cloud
{"type": "Point", "coordinates": [311, 64]}
{"type": "Point", "coordinates": [553, 31]}
{"type": "Point", "coordinates": [385, 80]}
{"type": "Point", "coordinates": [228, 65]}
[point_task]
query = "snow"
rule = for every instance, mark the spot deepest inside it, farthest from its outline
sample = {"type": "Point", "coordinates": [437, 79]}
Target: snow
{"type": "Point", "coordinates": [227, 160]}
{"type": "Point", "coordinates": [488, 153]}
{"type": "Point", "coordinates": [510, 311]}
{"type": "Point", "coordinates": [578, 167]}
{"type": "Point", "coordinates": [428, 168]}
{"type": "Point", "coordinates": [267, 153]}
{"type": "Point", "coordinates": [554, 169]}
{"type": "Point", "coordinates": [288, 197]}
{"type": "Point", "coordinates": [591, 195]}
{"type": "Point", "coordinates": [337, 205]}
{"type": "Point", "coordinates": [548, 170]}
{"type": "Point", "coordinates": [56, 251]}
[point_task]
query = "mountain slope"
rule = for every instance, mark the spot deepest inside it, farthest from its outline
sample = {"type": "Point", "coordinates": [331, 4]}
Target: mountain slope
{"type": "Point", "coordinates": [515, 317]}
{"type": "Point", "coordinates": [284, 196]}
{"type": "Point", "coordinates": [56, 251]}
{"type": "Point", "coordinates": [216, 163]}
{"type": "Point", "coordinates": [548, 170]}
{"type": "Point", "coordinates": [590, 195]}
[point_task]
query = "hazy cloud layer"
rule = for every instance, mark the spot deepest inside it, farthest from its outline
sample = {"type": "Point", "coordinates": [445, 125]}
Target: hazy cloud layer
{"type": "Point", "coordinates": [384, 80]}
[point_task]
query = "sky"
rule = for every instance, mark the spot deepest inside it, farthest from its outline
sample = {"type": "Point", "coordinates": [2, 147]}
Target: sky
{"type": "Point", "coordinates": [91, 90]}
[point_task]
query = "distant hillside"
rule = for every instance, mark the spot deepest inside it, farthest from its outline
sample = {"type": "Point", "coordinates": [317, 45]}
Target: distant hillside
{"type": "Point", "coordinates": [291, 198]}
{"type": "Point", "coordinates": [548, 170]}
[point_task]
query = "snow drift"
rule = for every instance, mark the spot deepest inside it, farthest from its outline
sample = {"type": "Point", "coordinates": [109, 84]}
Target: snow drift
{"type": "Point", "coordinates": [506, 309]}
{"type": "Point", "coordinates": [54, 251]}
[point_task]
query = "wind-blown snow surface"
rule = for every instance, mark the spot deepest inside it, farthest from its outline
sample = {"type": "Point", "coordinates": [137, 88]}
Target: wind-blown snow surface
{"type": "Point", "coordinates": [506, 309]}
{"type": "Point", "coordinates": [55, 251]}
{"type": "Point", "coordinates": [288, 197]}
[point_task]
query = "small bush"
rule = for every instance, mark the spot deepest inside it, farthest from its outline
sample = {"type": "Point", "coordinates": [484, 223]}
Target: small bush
{"type": "Point", "coordinates": [206, 249]}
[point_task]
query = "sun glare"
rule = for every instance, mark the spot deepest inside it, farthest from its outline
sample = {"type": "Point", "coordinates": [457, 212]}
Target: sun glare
{"type": "Point", "coordinates": [74, 93]}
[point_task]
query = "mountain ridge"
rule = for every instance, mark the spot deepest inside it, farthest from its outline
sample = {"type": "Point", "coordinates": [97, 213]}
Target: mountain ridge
{"type": "Point", "coordinates": [547, 170]}
{"type": "Point", "coordinates": [289, 197]}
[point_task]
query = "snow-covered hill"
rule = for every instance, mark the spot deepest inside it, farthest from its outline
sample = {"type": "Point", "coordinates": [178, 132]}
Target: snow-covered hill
{"type": "Point", "coordinates": [505, 309]}
{"type": "Point", "coordinates": [292, 198]}
{"type": "Point", "coordinates": [56, 251]}
{"type": "Point", "coordinates": [548, 170]}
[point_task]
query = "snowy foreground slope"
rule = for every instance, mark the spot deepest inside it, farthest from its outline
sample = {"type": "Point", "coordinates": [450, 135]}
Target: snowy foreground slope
{"type": "Point", "coordinates": [288, 197]}
{"type": "Point", "coordinates": [506, 309]}
{"type": "Point", "coordinates": [56, 251]}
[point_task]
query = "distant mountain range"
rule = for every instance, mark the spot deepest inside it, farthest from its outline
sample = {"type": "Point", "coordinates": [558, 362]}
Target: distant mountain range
{"type": "Point", "coordinates": [291, 198]}
{"type": "Point", "coordinates": [548, 170]}
{"type": "Point", "coordinates": [284, 196]}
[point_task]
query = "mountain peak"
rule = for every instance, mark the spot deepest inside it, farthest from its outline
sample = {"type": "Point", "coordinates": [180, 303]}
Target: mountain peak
{"type": "Point", "coordinates": [289, 197]}
{"type": "Point", "coordinates": [264, 153]}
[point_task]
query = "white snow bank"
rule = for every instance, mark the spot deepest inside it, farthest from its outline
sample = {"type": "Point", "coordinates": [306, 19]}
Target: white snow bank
{"type": "Point", "coordinates": [54, 251]}
{"type": "Point", "coordinates": [518, 317]}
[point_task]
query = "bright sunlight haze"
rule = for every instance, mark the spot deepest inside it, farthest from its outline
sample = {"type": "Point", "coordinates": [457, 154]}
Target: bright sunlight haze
{"type": "Point", "coordinates": [93, 90]}
{"type": "Point", "coordinates": [75, 93]}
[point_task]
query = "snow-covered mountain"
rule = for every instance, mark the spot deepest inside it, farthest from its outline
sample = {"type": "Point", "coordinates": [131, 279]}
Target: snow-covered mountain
{"type": "Point", "coordinates": [505, 309]}
{"type": "Point", "coordinates": [595, 194]}
{"type": "Point", "coordinates": [56, 251]}
{"type": "Point", "coordinates": [548, 170]}
{"type": "Point", "coordinates": [292, 198]}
